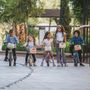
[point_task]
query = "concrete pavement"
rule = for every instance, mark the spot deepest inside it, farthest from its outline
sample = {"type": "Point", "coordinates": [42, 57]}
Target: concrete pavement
{"type": "Point", "coordinates": [44, 78]}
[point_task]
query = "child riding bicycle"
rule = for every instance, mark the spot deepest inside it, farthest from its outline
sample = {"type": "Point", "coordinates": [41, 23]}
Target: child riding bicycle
{"type": "Point", "coordinates": [60, 44]}
{"type": "Point", "coordinates": [47, 42]}
{"type": "Point", "coordinates": [11, 41]}
{"type": "Point", "coordinates": [31, 49]}
{"type": "Point", "coordinates": [77, 41]}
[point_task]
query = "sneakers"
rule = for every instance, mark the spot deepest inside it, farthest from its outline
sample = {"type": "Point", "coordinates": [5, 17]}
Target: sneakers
{"type": "Point", "coordinates": [54, 65]}
{"type": "Point", "coordinates": [58, 65]}
{"type": "Point", "coordinates": [14, 64]}
{"type": "Point", "coordinates": [6, 59]}
{"type": "Point", "coordinates": [82, 65]}
{"type": "Point", "coordinates": [75, 64]}
{"type": "Point", "coordinates": [34, 64]}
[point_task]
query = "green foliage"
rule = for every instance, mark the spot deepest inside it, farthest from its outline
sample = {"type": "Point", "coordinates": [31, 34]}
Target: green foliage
{"type": "Point", "coordinates": [4, 47]}
{"type": "Point", "coordinates": [78, 8]}
{"type": "Point", "coordinates": [33, 31]}
{"type": "Point", "coordinates": [19, 10]}
{"type": "Point", "coordinates": [20, 47]}
{"type": "Point", "coordinates": [65, 17]}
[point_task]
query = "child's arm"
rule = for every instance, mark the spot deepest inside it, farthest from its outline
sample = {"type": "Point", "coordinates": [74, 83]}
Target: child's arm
{"type": "Point", "coordinates": [72, 41]}
{"type": "Point", "coordinates": [65, 39]}
{"type": "Point", "coordinates": [25, 45]}
{"type": "Point", "coordinates": [43, 44]}
{"type": "Point", "coordinates": [17, 40]}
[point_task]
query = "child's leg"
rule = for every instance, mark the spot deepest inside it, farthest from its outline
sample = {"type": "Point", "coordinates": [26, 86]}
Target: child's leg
{"type": "Point", "coordinates": [14, 56]}
{"type": "Point", "coordinates": [63, 57]}
{"type": "Point", "coordinates": [80, 57]}
{"type": "Point", "coordinates": [52, 58]}
{"type": "Point", "coordinates": [34, 59]}
{"type": "Point", "coordinates": [26, 58]}
{"type": "Point", "coordinates": [75, 57]}
{"type": "Point", "coordinates": [44, 57]}
{"type": "Point", "coordinates": [6, 54]}
{"type": "Point", "coordinates": [57, 54]}
{"type": "Point", "coordinates": [71, 49]}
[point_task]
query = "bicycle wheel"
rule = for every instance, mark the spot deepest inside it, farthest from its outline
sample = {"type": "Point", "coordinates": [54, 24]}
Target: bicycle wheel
{"type": "Point", "coordinates": [30, 60]}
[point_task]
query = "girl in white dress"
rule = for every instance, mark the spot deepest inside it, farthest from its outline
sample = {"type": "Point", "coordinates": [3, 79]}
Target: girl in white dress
{"type": "Point", "coordinates": [47, 42]}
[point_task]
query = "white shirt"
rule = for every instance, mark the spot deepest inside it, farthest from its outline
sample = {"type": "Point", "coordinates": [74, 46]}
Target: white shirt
{"type": "Point", "coordinates": [59, 36]}
{"type": "Point", "coordinates": [47, 43]}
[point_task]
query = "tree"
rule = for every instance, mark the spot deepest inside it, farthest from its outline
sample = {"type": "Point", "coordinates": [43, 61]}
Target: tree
{"type": "Point", "coordinates": [81, 9]}
{"type": "Point", "coordinates": [65, 17]}
{"type": "Point", "coordinates": [19, 10]}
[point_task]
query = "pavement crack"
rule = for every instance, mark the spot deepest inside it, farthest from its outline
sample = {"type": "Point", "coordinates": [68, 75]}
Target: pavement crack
{"type": "Point", "coordinates": [20, 79]}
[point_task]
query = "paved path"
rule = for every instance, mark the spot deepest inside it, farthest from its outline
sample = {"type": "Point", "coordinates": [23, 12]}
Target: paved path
{"type": "Point", "coordinates": [44, 78]}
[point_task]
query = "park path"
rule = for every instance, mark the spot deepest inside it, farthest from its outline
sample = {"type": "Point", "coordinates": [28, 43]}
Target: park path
{"type": "Point", "coordinates": [44, 78]}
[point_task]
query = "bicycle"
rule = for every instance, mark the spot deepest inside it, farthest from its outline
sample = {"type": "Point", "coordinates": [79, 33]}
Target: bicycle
{"type": "Point", "coordinates": [76, 58]}
{"type": "Point", "coordinates": [10, 58]}
{"type": "Point", "coordinates": [76, 54]}
{"type": "Point", "coordinates": [47, 59]}
{"type": "Point", "coordinates": [30, 61]}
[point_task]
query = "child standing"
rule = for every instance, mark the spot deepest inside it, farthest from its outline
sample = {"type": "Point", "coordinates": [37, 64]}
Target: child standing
{"type": "Point", "coordinates": [30, 44]}
{"type": "Point", "coordinates": [48, 48]}
{"type": "Point", "coordinates": [60, 37]}
{"type": "Point", "coordinates": [77, 40]}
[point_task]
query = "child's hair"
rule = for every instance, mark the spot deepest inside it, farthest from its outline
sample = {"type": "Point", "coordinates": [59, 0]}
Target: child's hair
{"type": "Point", "coordinates": [11, 31]}
{"type": "Point", "coordinates": [45, 36]}
{"type": "Point", "coordinates": [77, 32]}
{"type": "Point", "coordinates": [32, 37]}
{"type": "Point", "coordinates": [62, 29]}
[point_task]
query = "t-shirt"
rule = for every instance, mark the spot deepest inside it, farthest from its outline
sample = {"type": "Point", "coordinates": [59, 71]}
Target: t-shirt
{"type": "Point", "coordinates": [76, 40]}
{"type": "Point", "coordinates": [59, 36]}
{"type": "Point", "coordinates": [13, 39]}
{"type": "Point", "coordinates": [30, 44]}
{"type": "Point", "coordinates": [48, 43]}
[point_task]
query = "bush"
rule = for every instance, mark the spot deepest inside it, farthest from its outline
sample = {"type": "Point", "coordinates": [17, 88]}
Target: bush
{"type": "Point", "coordinates": [4, 47]}
{"type": "Point", "coordinates": [20, 47]}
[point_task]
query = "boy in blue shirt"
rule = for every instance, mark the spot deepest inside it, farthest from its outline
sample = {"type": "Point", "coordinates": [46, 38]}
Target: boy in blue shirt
{"type": "Point", "coordinates": [77, 40]}
{"type": "Point", "coordinates": [11, 39]}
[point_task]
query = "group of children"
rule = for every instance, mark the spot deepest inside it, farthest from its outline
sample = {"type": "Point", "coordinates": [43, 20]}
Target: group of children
{"type": "Point", "coordinates": [48, 41]}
